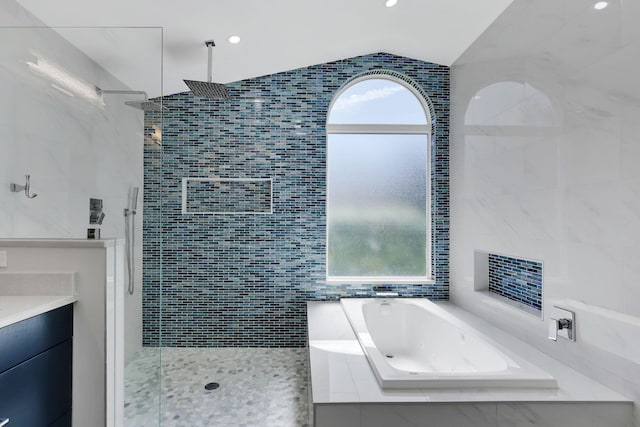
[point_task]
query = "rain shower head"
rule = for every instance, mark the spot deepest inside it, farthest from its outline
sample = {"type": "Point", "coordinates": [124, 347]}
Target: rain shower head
{"type": "Point", "coordinates": [144, 105]}
{"type": "Point", "coordinates": [208, 89]}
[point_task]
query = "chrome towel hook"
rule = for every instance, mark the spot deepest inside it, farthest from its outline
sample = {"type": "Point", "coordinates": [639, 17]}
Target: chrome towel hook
{"type": "Point", "coordinates": [16, 188]}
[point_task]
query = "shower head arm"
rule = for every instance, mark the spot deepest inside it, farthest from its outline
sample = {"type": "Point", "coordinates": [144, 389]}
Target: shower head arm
{"type": "Point", "coordinates": [210, 44]}
{"type": "Point", "coordinates": [124, 92]}
{"type": "Point", "coordinates": [144, 105]}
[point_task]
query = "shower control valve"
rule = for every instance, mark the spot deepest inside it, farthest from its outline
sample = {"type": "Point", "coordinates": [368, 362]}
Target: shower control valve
{"type": "Point", "coordinates": [562, 324]}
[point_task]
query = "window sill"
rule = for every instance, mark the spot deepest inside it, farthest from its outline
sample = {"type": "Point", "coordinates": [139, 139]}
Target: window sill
{"type": "Point", "coordinates": [344, 280]}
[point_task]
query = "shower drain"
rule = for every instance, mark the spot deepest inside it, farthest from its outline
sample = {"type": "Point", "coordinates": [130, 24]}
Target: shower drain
{"type": "Point", "coordinates": [389, 356]}
{"type": "Point", "coordinates": [211, 386]}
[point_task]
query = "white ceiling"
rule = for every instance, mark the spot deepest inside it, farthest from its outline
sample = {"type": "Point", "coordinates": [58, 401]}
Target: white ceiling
{"type": "Point", "coordinates": [277, 35]}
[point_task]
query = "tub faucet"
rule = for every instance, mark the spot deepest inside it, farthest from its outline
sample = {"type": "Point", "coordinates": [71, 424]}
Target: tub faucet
{"type": "Point", "coordinates": [387, 294]}
{"type": "Point", "coordinates": [384, 291]}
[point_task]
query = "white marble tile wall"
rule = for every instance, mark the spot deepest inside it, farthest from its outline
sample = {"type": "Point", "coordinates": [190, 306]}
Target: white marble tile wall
{"type": "Point", "coordinates": [471, 415]}
{"type": "Point", "coordinates": [545, 164]}
{"type": "Point", "coordinates": [72, 148]}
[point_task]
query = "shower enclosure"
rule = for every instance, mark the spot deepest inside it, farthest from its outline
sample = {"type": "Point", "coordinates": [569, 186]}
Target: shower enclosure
{"type": "Point", "coordinates": [66, 120]}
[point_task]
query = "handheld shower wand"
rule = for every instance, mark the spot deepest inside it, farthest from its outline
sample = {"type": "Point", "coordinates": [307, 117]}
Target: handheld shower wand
{"type": "Point", "coordinates": [130, 234]}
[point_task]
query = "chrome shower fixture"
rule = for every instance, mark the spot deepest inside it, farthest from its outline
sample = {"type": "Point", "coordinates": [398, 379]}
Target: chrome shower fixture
{"type": "Point", "coordinates": [130, 235]}
{"type": "Point", "coordinates": [144, 105]}
{"type": "Point", "coordinates": [208, 89]}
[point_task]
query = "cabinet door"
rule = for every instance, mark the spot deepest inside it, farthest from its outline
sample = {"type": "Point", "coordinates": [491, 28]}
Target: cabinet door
{"type": "Point", "coordinates": [23, 340]}
{"type": "Point", "coordinates": [37, 392]}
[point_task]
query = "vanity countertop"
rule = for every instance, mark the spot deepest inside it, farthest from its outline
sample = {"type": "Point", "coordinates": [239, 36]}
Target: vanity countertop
{"type": "Point", "coordinates": [14, 309]}
{"type": "Point", "coordinates": [24, 294]}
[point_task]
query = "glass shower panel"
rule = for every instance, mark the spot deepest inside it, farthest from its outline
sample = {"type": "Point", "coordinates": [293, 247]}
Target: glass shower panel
{"type": "Point", "coordinates": [71, 117]}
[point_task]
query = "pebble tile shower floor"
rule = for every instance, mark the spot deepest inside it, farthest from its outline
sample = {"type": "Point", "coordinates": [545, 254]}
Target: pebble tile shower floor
{"type": "Point", "coordinates": [258, 387]}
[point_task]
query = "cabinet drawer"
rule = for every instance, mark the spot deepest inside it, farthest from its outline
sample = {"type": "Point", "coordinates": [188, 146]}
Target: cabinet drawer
{"type": "Point", "coordinates": [32, 336]}
{"type": "Point", "coordinates": [37, 393]}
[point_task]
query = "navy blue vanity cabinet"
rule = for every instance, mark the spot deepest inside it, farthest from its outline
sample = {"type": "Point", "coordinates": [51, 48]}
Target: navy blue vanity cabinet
{"type": "Point", "coordinates": [35, 370]}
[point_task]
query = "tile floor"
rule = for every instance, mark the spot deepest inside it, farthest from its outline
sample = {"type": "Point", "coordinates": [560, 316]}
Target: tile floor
{"type": "Point", "coordinates": [258, 387]}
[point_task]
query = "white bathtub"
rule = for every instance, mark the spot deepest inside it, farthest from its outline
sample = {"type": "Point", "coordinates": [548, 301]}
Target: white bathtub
{"type": "Point", "coordinates": [413, 343]}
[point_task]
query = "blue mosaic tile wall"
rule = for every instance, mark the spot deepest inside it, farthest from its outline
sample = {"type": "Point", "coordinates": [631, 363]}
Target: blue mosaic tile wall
{"type": "Point", "coordinates": [151, 231]}
{"type": "Point", "coordinates": [243, 280]}
{"type": "Point", "coordinates": [516, 279]}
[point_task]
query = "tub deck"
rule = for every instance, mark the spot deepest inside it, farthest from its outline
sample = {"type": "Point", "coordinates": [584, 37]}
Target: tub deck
{"type": "Point", "coordinates": [345, 391]}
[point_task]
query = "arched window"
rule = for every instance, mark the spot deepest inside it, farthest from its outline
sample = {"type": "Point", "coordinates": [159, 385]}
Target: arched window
{"type": "Point", "coordinates": [378, 191]}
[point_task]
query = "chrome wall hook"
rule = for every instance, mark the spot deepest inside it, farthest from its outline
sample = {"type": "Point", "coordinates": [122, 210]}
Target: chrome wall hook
{"type": "Point", "coordinates": [16, 188]}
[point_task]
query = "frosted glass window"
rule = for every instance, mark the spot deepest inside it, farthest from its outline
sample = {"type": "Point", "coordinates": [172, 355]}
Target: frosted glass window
{"type": "Point", "coordinates": [378, 101]}
{"type": "Point", "coordinates": [378, 184]}
{"type": "Point", "coordinates": [378, 205]}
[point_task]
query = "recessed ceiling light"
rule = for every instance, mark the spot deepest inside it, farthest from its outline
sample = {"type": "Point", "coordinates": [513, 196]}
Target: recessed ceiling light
{"type": "Point", "coordinates": [390, 3]}
{"type": "Point", "coordinates": [234, 39]}
{"type": "Point", "coordinates": [600, 5]}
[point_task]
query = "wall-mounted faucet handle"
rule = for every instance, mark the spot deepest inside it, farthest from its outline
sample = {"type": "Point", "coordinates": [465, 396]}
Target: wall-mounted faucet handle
{"type": "Point", "coordinates": [562, 323]}
{"type": "Point", "coordinates": [556, 325]}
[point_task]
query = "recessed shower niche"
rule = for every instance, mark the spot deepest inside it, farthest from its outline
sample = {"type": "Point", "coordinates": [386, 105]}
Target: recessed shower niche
{"type": "Point", "coordinates": [515, 281]}
{"type": "Point", "coordinates": [227, 196]}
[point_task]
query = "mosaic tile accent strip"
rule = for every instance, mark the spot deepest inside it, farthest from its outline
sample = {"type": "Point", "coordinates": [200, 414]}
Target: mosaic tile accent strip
{"type": "Point", "coordinates": [258, 387]}
{"type": "Point", "coordinates": [242, 280]}
{"type": "Point", "coordinates": [516, 279]}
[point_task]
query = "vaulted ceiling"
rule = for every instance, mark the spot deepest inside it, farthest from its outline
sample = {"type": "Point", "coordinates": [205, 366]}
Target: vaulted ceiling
{"type": "Point", "coordinates": [276, 35]}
